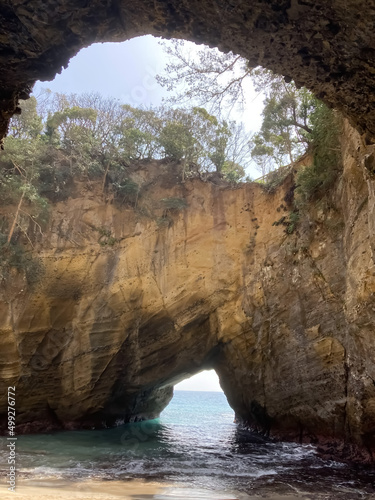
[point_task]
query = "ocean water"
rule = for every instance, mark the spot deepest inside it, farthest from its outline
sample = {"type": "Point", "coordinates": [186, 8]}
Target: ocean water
{"type": "Point", "coordinates": [194, 443]}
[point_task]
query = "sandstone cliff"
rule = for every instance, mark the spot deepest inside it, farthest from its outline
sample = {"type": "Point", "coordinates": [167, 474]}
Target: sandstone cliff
{"type": "Point", "coordinates": [130, 304]}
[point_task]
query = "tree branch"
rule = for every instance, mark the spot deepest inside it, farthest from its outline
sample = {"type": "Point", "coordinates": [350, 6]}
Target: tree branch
{"type": "Point", "coordinates": [15, 218]}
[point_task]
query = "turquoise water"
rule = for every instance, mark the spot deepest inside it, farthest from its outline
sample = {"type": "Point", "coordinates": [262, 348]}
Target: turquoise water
{"type": "Point", "coordinates": [196, 443]}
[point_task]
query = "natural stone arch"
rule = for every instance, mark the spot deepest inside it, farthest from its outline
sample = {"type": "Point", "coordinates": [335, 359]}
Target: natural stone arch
{"type": "Point", "coordinates": [109, 329]}
{"type": "Point", "coordinates": [130, 378]}
{"type": "Point", "coordinates": [329, 49]}
{"type": "Point", "coordinates": [326, 46]}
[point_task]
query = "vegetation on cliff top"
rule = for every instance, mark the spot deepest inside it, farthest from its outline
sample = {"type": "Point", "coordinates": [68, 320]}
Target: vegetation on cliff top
{"type": "Point", "coordinates": [221, 81]}
{"type": "Point", "coordinates": [295, 122]}
{"type": "Point", "coordinates": [62, 138]}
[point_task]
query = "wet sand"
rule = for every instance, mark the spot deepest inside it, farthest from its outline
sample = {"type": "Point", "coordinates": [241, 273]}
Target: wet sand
{"type": "Point", "coordinates": [126, 490]}
{"type": "Point", "coordinates": [87, 490]}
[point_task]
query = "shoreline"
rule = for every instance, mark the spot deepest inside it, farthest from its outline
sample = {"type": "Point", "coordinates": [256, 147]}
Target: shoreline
{"type": "Point", "coordinates": [132, 489]}
{"type": "Point", "coordinates": [52, 489]}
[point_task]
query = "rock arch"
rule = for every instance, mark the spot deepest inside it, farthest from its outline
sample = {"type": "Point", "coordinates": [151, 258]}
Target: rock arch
{"type": "Point", "coordinates": [297, 358]}
{"type": "Point", "coordinates": [286, 322]}
{"type": "Point", "coordinates": [326, 46]}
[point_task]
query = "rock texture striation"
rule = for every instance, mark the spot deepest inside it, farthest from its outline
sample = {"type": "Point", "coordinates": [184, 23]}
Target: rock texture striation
{"type": "Point", "coordinates": [129, 305]}
{"type": "Point", "coordinates": [326, 46]}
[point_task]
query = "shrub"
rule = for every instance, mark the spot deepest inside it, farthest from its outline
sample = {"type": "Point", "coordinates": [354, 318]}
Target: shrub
{"type": "Point", "coordinates": [292, 222]}
{"type": "Point", "coordinates": [56, 183]}
{"type": "Point", "coordinates": [289, 221]}
{"type": "Point", "coordinates": [315, 180]}
{"type": "Point", "coordinates": [14, 255]}
{"type": "Point", "coordinates": [105, 237]}
{"type": "Point", "coordinates": [273, 179]}
{"type": "Point", "coordinates": [164, 221]}
{"type": "Point", "coordinates": [126, 190]}
{"type": "Point", "coordinates": [174, 203]}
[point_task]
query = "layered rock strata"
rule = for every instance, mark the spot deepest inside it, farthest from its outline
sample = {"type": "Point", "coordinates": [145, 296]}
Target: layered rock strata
{"type": "Point", "coordinates": [129, 304]}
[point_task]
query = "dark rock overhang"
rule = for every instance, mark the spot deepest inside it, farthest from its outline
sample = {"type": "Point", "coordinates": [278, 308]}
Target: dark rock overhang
{"type": "Point", "coordinates": [326, 46]}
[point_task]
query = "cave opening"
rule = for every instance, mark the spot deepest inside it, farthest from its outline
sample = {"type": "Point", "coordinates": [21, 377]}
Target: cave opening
{"type": "Point", "coordinates": [267, 33]}
{"type": "Point", "coordinates": [199, 403]}
{"type": "Point", "coordinates": [205, 381]}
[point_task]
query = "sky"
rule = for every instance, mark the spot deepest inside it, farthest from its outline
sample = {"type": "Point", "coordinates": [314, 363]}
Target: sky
{"type": "Point", "coordinates": [127, 72]}
{"type": "Point", "coordinates": [203, 381]}
{"type": "Point", "coordinates": [124, 70]}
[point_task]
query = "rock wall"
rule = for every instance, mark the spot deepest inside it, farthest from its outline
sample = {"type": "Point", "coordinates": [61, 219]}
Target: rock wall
{"type": "Point", "coordinates": [325, 46]}
{"type": "Point", "coordinates": [130, 304]}
{"type": "Point", "coordinates": [309, 304]}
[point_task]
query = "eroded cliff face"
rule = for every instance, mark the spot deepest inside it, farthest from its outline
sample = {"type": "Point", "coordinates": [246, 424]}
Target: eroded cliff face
{"type": "Point", "coordinates": [130, 304]}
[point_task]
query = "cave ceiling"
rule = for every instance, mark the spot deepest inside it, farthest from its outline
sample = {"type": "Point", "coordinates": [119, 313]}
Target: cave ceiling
{"type": "Point", "coordinates": [329, 47]}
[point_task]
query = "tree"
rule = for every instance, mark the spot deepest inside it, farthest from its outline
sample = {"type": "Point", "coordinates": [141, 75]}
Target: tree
{"type": "Point", "coordinates": [262, 154]}
{"type": "Point", "coordinates": [185, 135]}
{"type": "Point", "coordinates": [73, 128]}
{"type": "Point", "coordinates": [237, 151]}
{"type": "Point", "coordinates": [207, 76]}
{"type": "Point", "coordinates": [71, 117]}
{"type": "Point", "coordinates": [19, 175]}
{"type": "Point", "coordinates": [286, 131]}
{"type": "Point", "coordinates": [315, 180]}
{"type": "Point", "coordinates": [218, 146]}
{"type": "Point", "coordinates": [28, 124]}
{"type": "Point", "coordinates": [233, 172]}
{"type": "Point", "coordinates": [200, 141]}
{"type": "Point", "coordinates": [136, 133]}
{"type": "Point", "coordinates": [219, 80]}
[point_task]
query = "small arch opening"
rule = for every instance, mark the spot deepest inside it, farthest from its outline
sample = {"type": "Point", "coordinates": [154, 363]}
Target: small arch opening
{"type": "Point", "coordinates": [199, 411]}
{"type": "Point", "coordinates": [204, 381]}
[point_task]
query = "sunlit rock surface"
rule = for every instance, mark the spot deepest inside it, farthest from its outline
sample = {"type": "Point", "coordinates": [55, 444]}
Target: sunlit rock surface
{"type": "Point", "coordinates": [130, 304]}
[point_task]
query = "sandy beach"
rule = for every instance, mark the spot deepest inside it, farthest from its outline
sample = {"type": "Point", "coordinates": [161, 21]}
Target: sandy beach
{"type": "Point", "coordinates": [127, 490]}
{"type": "Point", "coordinates": [87, 490]}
